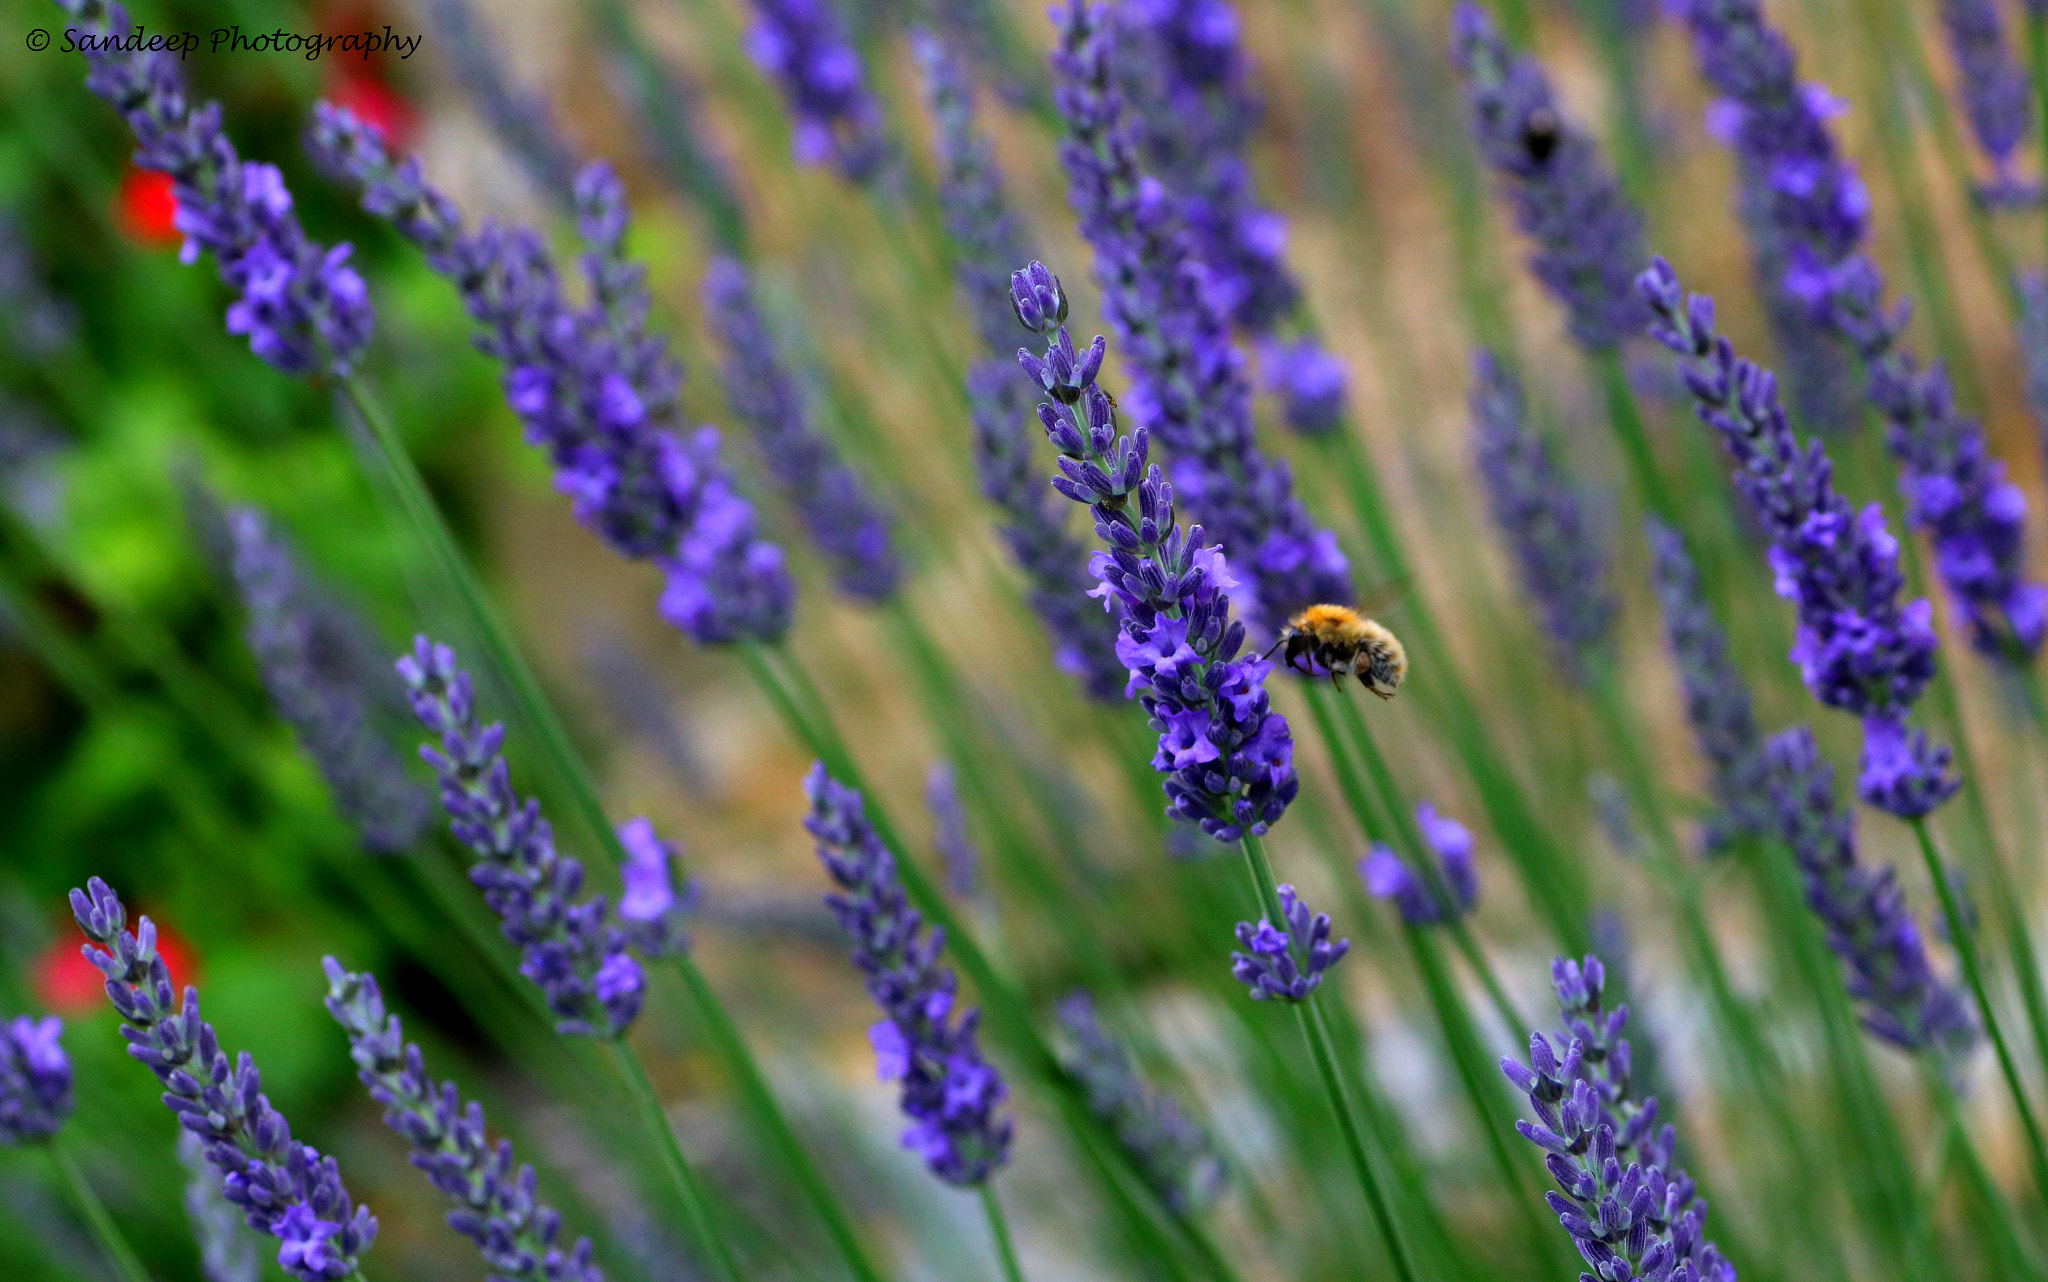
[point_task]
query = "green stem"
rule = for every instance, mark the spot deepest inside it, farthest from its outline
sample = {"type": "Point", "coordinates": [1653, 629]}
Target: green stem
{"type": "Point", "coordinates": [1966, 950]}
{"type": "Point", "coordinates": [999, 1229]}
{"type": "Point", "coordinates": [1997, 1211]}
{"type": "Point", "coordinates": [695, 1205]}
{"type": "Point", "coordinates": [1626, 416]}
{"type": "Point", "coordinates": [95, 1211]}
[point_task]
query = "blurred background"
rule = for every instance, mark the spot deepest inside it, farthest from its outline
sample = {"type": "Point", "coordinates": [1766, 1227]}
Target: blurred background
{"type": "Point", "coordinates": [138, 743]}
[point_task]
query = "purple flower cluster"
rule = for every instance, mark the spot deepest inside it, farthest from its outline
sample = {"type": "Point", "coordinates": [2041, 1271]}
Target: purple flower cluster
{"type": "Point", "coordinates": [1286, 965]}
{"type": "Point", "coordinates": [302, 307]}
{"type": "Point", "coordinates": [652, 911]}
{"type": "Point", "coordinates": [1171, 1153]}
{"type": "Point", "coordinates": [495, 1204]}
{"type": "Point", "coordinates": [802, 45]}
{"type": "Point", "coordinates": [1311, 384]}
{"type": "Point", "coordinates": [523, 121]}
{"type": "Point", "coordinates": [1857, 647]}
{"type": "Point", "coordinates": [848, 525]}
{"type": "Point", "coordinates": [1564, 565]}
{"type": "Point", "coordinates": [1189, 384]}
{"type": "Point", "coordinates": [35, 1079]}
{"type": "Point", "coordinates": [1447, 893]}
{"type": "Point", "coordinates": [1996, 94]}
{"type": "Point", "coordinates": [303, 660]}
{"type": "Point", "coordinates": [950, 1093]}
{"type": "Point", "coordinates": [990, 242]}
{"type": "Point", "coordinates": [1717, 704]}
{"type": "Point", "coordinates": [284, 1188]}
{"type": "Point", "coordinates": [949, 831]}
{"type": "Point", "coordinates": [1228, 757]}
{"type": "Point", "coordinates": [228, 1248]}
{"type": "Point", "coordinates": [594, 388]}
{"type": "Point", "coordinates": [1632, 1211]}
{"type": "Point", "coordinates": [1589, 237]}
{"type": "Point", "coordinates": [568, 949]}
{"type": "Point", "coordinates": [1868, 924]}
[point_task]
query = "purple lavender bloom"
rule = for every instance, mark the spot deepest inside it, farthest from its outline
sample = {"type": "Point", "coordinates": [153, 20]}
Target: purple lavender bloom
{"type": "Point", "coordinates": [1564, 567]}
{"type": "Point", "coordinates": [303, 308]}
{"type": "Point", "coordinates": [1717, 704]}
{"type": "Point", "coordinates": [37, 322]}
{"type": "Point", "coordinates": [1857, 647]}
{"type": "Point", "coordinates": [227, 1246]}
{"type": "Point", "coordinates": [35, 1079]}
{"type": "Point", "coordinates": [2033, 344]}
{"type": "Point", "coordinates": [1388, 876]}
{"type": "Point", "coordinates": [593, 387]}
{"type": "Point", "coordinates": [1589, 237]}
{"type": "Point", "coordinates": [296, 639]}
{"type": "Point", "coordinates": [496, 1208]}
{"type": "Point", "coordinates": [802, 45]}
{"type": "Point", "coordinates": [950, 1092]}
{"type": "Point", "coordinates": [1632, 1211]}
{"type": "Point", "coordinates": [1171, 1153]}
{"type": "Point", "coordinates": [569, 950]}
{"type": "Point", "coordinates": [1189, 383]}
{"type": "Point", "coordinates": [849, 527]}
{"type": "Point", "coordinates": [1868, 924]}
{"type": "Point", "coordinates": [1310, 382]}
{"type": "Point", "coordinates": [522, 120]}
{"type": "Point", "coordinates": [651, 910]}
{"type": "Point", "coordinates": [1995, 92]}
{"type": "Point", "coordinates": [1228, 757]}
{"type": "Point", "coordinates": [284, 1188]}
{"type": "Point", "coordinates": [949, 831]}
{"type": "Point", "coordinates": [1286, 965]}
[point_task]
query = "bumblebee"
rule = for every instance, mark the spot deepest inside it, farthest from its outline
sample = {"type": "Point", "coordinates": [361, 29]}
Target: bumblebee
{"type": "Point", "coordinates": [1344, 643]}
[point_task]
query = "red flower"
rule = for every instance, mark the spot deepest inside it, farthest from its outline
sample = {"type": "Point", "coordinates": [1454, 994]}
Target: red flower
{"type": "Point", "coordinates": [148, 208]}
{"type": "Point", "coordinates": [67, 984]}
{"type": "Point", "coordinates": [374, 103]}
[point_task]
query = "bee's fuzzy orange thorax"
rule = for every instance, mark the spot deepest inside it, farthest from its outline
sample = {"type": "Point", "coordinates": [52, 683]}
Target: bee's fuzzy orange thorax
{"type": "Point", "coordinates": [1328, 623]}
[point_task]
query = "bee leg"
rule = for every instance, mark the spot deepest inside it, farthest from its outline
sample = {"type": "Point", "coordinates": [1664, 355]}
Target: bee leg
{"type": "Point", "coordinates": [1336, 680]}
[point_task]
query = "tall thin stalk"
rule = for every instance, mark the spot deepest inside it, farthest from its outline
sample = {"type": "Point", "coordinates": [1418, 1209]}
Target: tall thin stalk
{"type": "Point", "coordinates": [95, 1211]}
{"type": "Point", "coordinates": [696, 1207]}
{"type": "Point", "coordinates": [999, 1230]}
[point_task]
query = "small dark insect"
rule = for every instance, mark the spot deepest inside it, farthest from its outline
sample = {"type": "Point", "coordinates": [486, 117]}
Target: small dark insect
{"type": "Point", "coordinates": [1540, 134]}
{"type": "Point", "coordinates": [1343, 642]}
{"type": "Point", "coordinates": [1107, 397]}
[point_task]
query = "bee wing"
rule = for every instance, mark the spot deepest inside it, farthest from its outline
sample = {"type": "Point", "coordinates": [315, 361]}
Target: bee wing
{"type": "Point", "coordinates": [1380, 597]}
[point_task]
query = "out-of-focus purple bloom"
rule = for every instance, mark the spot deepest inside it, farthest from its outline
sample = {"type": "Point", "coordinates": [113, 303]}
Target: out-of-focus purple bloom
{"type": "Point", "coordinates": [1564, 567]}
{"type": "Point", "coordinates": [1189, 383]}
{"type": "Point", "coordinates": [1589, 237]}
{"type": "Point", "coordinates": [227, 1246]}
{"type": "Point", "coordinates": [1868, 924]}
{"type": "Point", "coordinates": [1857, 647]}
{"type": "Point", "coordinates": [35, 321]}
{"type": "Point", "coordinates": [849, 527]}
{"type": "Point", "coordinates": [802, 45]}
{"type": "Point", "coordinates": [35, 1079]}
{"type": "Point", "coordinates": [1286, 965]}
{"type": "Point", "coordinates": [1995, 92]}
{"type": "Point", "coordinates": [593, 387]}
{"type": "Point", "coordinates": [1388, 876]}
{"type": "Point", "coordinates": [950, 1093]}
{"type": "Point", "coordinates": [2033, 343]}
{"type": "Point", "coordinates": [1717, 704]}
{"type": "Point", "coordinates": [293, 637]}
{"type": "Point", "coordinates": [302, 307]}
{"type": "Point", "coordinates": [568, 949]}
{"type": "Point", "coordinates": [1611, 943]}
{"type": "Point", "coordinates": [949, 831]}
{"type": "Point", "coordinates": [1228, 757]}
{"type": "Point", "coordinates": [283, 1188]}
{"type": "Point", "coordinates": [495, 1205]}
{"type": "Point", "coordinates": [1310, 382]}
{"type": "Point", "coordinates": [522, 120]}
{"type": "Point", "coordinates": [652, 911]}
{"type": "Point", "coordinates": [1173, 1154]}
{"type": "Point", "coordinates": [1631, 1210]}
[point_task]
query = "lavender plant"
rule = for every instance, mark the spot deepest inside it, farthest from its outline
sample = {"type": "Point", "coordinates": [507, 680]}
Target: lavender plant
{"type": "Point", "coordinates": [1416, 898]}
{"type": "Point", "coordinates": [35, 1080]}
{"type": "Point", "coordinates": [284, 1188]}
{"type": "Point", "coordinates": [802, 45]}
{"type": "Point", "coordinates": [496, 1207]}
{"type": "Point", "coordinates": [949, 832]}
{"type": "Point", "coordinates": [1228, 757]}
{"type": "Point", "coordinates": [1174, 1154]}
{"type": "Point", "coordinates": [652, 911]}
{"type": "Point", "coordinates": [227, 1246]}
{"type": "Point", "coordinates": [1631, 1210]}
{"type": "Point", "coordinates": [1996, 96]}
{"type": "Point", "coordinates": [1286, 965]}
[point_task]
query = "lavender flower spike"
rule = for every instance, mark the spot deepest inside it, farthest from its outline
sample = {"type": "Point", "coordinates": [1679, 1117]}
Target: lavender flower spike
{"type": "Point", "coordinates": [1857, 647]}
{"type": "Point", "coordinates": [1868, 924]}
{"type": "Point", "coordinates": [284, 1188]}
{"type": "Point", "coordinates": [803, 46]}
{"type": "Point", "coordinates": [1228, 757]}
{"type": "Point", "coordinates": [1717, 704]}
{"type": "Point", "coordinates": [1632, 1211]}
{"type": "Point", "coordinates": [495, 1208]}
{"type": "Point", "coordinates": [303, 308]}
{"type": "Point", "coordinates": [1286, 965]}
{"type": "Point", "coordinates": [294, 636]}
{"type": "Point", "coordinates": [1996, 94]}
{"type": "Point", "coordinates": [569, 949]}
{"type": "Point", "coordinates": [35, 1080]}
{"type": "Point", "coordinates": [652, 911]}
{"type": "Point", "coordinates": [949, 831]}
{"type": "Point", "coordinates": [594, 388]}
{"type": "Point", "coordinates": [950, 1093]}
{"type": "Point", "coordinates": [1564, 566]}
{"type": "Point", "coordinates": [1589, 238]}
{"type": "Point", "coordinates": [227, 1247]}
{"type": "Point", "coordinates": [1387, 876]}
{"type": "Point", "coordinates": [1172, 1153]}
{"type": "Point", "coordinates": [849, 527]}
